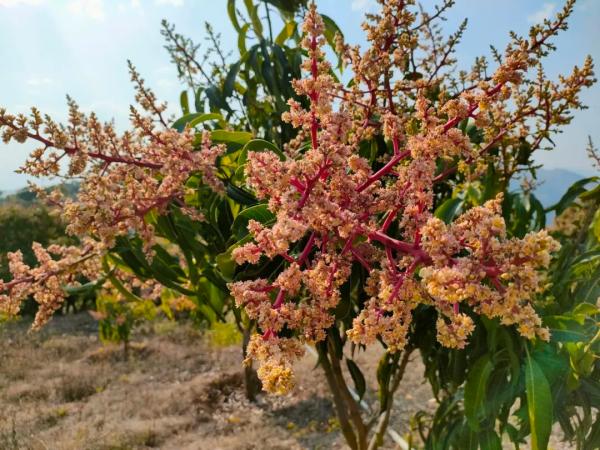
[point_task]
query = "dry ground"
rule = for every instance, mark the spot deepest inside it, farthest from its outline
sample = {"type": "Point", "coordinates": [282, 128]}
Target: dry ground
{"type": "Point", "coordinates": [63, 390]}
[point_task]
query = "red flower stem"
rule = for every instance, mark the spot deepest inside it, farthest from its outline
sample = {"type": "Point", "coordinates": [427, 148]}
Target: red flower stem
{"type": "Point", "coordinates": [401, 246]}
{"type": "Point", "coordinates": [102, 157]}
{"type": "Point", "coordinates": [314, 95]}
{"type": "Point", "coordinates": [330, 279]}
{"type": "Point", "coordinates": [492, 271]}
{"type": "Point", "coordinates": [389, 219]}
{"type": "Point", "coordinates": [287, 257]}
{"type": "Point", "coordinates": [268, 334]}
{"type": "Point", "coordinates": [298, 184]}
{"type": "Point", "coordinates": [390, 257]}
{"type": "Point", "coordinates": [360, 259]}
{"type": "Point", "coordinates": [484, 150]}
{"type": "Point", "coordinates": [383, 171]}
{"type": "Point", "coordinates": [348, 244]}
{"type": "Point", "coordinates": [279, 299]}
{"type": "Point", "coordinates": [396, 289]}
{"type": "Point", "coordinates": [498, 285]}
{"type": "Point", "coordinates": [403, 276]}
{"type": "Point", "coordinates": [307, 248]}
{"type": "Point", "coordinates": [454, 121]}
{"type": "Point", "coordinates": [310, 184]}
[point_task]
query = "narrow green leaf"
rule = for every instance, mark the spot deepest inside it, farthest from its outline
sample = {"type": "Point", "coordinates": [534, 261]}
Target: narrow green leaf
{"type": "Point", "coordinates": [233, 15]}
{"type": "Point", "coordinates": [358, 378]}
{"type": "Point", "coordinates": [240, 195]}
{"type": "Point", "coordinates": [574, 191]}
{"type": "Point", "coordinates": [234, 137]}
{"type": "Point", "coordinates": [489, 440]}
{"type": "Point", "coordinates": [185, 104]}
{"type": "Point", "coordinates": [254, 18]}
{"type": "Point", "coordinates": [384, 371]}
{"type": "Point", "coordinates": [447, 210]}
{"type": "Point", "coordinates": [259, 213]}
{"type": "Point", "coordinates": [241, 41]}
{"type": "Point", "coordinates": [258, 145]}
{"type": "Point", "coordinates": [286, 33]}
{"type": "Point", "coordinates": [539, 404]}
{"type": "Point", "coordinates": [191, 120]}
{"type": "Point", "coordinates": [230, 79]}
{"type": "Point", "coordinates": [475, 390]}
{"type": "Point", "coordinates": [226, 265]}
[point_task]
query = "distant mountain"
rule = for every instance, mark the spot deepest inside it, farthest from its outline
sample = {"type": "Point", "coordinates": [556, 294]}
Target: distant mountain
{"type": "Point", "coordinates": [553, 183]}
{"type": "Point", "coordinates": [26, 197]}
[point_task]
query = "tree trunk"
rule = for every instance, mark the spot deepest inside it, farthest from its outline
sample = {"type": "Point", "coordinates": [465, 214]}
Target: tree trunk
{"type": "Point", "coordinates": [251, 382]}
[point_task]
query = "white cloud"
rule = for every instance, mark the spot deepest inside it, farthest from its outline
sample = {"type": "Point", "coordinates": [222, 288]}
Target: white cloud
{"type": "Point", "coordinates": [362, 5]}
{"type": "Point", "coordinates": [545, 12]}
{"type": "Point", "coordinates": [39, 81]}
{"type": "Point", "coordinates": [9, 3]}
{"type": "Point", "coordinates": [94, 9]}
{"type": "Point", "coordinates": [169, 2]}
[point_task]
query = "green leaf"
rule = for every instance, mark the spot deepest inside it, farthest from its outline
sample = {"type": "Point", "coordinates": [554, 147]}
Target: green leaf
{"type": "Point", "coordinates": [198, 101]}
{"type": "Point", "coordinates": [230, 79]}
{"type": "Point", "coordinates": [185, 104]}
{"type": "Point", "coordinates": [331, 29]}
{"type": "Point", "coordinates": [240, 195]}
{"type": "Point", "coordinates": [475, 390]}
{"type": "Point", "coordinates": [231, 137]}
{"type": "Point", "coordinates": [596, 225]}
{"type": "Point", "coordinates": [358, 378]}
{"type": "Point", "coordinates": [233, 15]}
{"type": "Point", "coordinates": [254, 18]}
{"type": "Point", "coordinates": [191, 120]}
{"type": "Point", "coordinates": [539, 404]}
{"type": "Point", "coordinates": [259, 213]}
{"type": "Point", "coordinates": [384, 371]}
{"type": "Point", "coordinates": [216, 99]}
{"type": "Point", "coordinates": [447, 210]}
{"type": "Point", "coordinates": [489, 440]}
{"type": "Point", "coordinates": [592, 194]}
{"type": "Point", "coordinates": [258, 145]}
{"type": "Point", "coordinates": [241, 41]}
{"type": "Point", "coordinates": [571, 195]}
{"type": "Point", "coordinates": [84, 288]}
{"type": "Point", "coordinates": [286, 33]}
{"type": "Point", "coordinates": [123, 290]}
{"type": "Point", "coordinates": [226, 265]}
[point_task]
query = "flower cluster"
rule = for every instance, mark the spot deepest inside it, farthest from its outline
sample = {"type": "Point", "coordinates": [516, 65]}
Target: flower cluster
{"type": "Point", "coordinates": [58, 266]}
{"type": "Point", "coordinates": [122, 179]}
{"type": "Point", "coordinates": [334, 207]}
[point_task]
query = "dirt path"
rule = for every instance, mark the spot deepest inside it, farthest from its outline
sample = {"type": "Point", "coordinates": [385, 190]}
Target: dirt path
{"type": "Point", "coordinates": [63, 390]}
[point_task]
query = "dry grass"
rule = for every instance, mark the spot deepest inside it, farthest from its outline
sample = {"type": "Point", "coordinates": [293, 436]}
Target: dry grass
{"type": "Point", "coordinates": [63, 390]}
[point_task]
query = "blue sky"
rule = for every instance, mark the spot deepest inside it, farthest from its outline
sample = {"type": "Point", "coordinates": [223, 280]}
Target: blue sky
{"type": "Point", "coordinates": [50, 48]}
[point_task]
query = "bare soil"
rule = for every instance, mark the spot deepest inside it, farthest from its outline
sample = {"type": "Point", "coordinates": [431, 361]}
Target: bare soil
{"type": "Point", "coordinates": [62, 389]}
